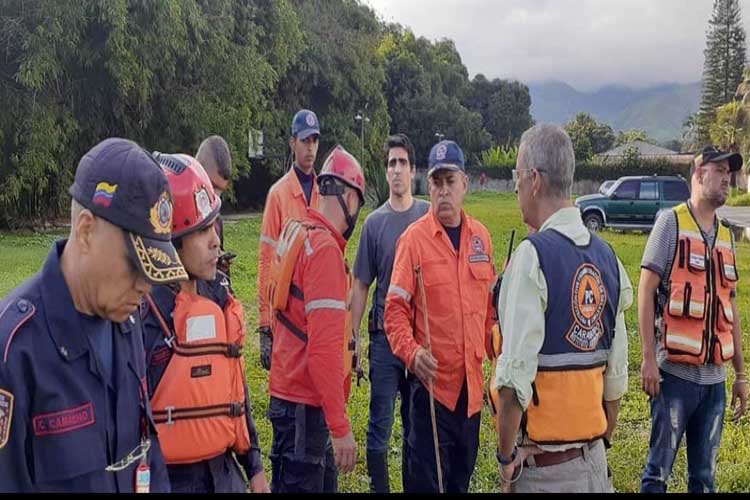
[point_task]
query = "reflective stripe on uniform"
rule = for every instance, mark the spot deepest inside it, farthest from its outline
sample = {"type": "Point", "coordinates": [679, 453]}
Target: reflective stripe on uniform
{"type": "Point", "coordinates": [674, 338]}
{"type": "Point", "coordinates": [325, 304]}
{"type": "Point", "coordinates": [308, 247]}
{"type": "Point", "coordinates": [727, 351]}
{"type": "Point", "coordinates": [400, 292]}
{"type": "Point", "coordinates": [573, 359]}
{"type": "Point", "coordinates": [267, 240]}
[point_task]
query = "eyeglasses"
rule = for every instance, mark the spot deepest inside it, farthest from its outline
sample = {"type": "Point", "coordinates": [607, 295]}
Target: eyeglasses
{"type": "Point", "coordinates": [516, 170]}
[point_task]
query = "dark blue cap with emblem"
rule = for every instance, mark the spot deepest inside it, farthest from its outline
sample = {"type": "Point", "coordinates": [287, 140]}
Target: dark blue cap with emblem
{"type": "Point", "coordinates": [445, 155]}
{"type": "Point", "coordinates": [304, 124]}
{"type": "Point", "coordinates": [121, 182]}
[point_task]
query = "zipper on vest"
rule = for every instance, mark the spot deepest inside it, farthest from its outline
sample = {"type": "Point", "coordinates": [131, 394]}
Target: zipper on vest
{"type": "Point", "coordinates": [709, 336]}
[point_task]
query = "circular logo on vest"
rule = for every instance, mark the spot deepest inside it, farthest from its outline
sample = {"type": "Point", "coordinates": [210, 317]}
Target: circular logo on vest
{"type": "Point", "coordinates": [477, 245]}
{"type": "Point", "coordinates": [588, 298]}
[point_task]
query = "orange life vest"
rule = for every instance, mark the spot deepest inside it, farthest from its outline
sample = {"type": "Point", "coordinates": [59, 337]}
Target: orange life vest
{"type": "Point", "coordinates": [697, 316]}
{"type": "Point", "coordinates": [199, 405]}
{"type": "Point", "coordinates": [294, 236]}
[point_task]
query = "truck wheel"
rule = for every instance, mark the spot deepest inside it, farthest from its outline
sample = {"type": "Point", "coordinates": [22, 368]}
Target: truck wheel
{"type": "Point", "coordinates": [593, 221]}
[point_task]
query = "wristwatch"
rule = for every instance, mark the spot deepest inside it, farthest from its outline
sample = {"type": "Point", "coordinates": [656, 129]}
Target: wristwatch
{"type": "Point", "coordinates": [506, 461]}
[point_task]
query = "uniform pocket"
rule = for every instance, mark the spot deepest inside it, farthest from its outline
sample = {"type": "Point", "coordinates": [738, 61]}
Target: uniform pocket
{"type": "Point", "coordinates": [687, 300]}
{"type": "Point", "coordinates": [724, 346]}
{"type": "Point", "coordinates": [727, 271]}
{"type": "Point", "coordinates": [695, 256]}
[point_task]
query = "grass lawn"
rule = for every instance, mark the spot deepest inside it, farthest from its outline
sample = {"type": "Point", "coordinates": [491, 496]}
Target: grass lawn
{"type": "Point", "coordinates": [21, 256]}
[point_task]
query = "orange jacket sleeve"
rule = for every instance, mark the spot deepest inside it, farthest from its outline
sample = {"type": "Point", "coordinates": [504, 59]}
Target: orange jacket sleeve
{"type": "Point", "coordinates": [325, 310]}
{"type": "Point", "coordinates": [269, 234]}
{"type": "Point", "coordinates": [399, 308]}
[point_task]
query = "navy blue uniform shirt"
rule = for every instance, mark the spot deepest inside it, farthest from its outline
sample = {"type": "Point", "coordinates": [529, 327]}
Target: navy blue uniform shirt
{"type": "Point", "coordinates": [65, 412]}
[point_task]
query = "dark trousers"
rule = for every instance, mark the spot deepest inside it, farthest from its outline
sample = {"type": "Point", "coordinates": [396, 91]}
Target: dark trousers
{"type": "Point", "coordinates": [302, 452]}
{"type": "Point", "coordinates": [695, 411]}
{"type": "Point", "coordinates": [217, 475]}
{"type": "Point", "coordinates": [387, 379]}
{"type": "Point", "coordinates": [458, 436]}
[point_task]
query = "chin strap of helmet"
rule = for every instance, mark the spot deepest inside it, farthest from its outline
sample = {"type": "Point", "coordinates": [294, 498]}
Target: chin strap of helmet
{"type": "Point", "coordinates": [334, 188]}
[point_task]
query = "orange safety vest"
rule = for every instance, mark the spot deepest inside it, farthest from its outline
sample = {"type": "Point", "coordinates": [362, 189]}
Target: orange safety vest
{"type": "Point", "coordinates": [199, 405]}
{"type": "Point", "coordinates": [294, 236]}
{"type": "Point", "coordinates": [697, 316]}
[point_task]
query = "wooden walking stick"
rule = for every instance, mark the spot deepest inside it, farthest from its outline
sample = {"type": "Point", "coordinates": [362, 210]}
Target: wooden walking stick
{"type": "Point", "coordinates": [425, 320]}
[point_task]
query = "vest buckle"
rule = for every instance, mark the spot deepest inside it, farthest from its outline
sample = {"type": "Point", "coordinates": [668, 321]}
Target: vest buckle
{"type": "Point", "coordinates": [169, 410]}
{"type": "Point", "coordinates": [235, 409]}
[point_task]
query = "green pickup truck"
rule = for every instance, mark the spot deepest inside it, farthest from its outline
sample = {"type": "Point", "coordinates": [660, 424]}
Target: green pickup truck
{"type": "Point", "coordinates": [632, 202]}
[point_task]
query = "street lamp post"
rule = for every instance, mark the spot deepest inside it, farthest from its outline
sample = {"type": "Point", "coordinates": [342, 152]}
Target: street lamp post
{"type": "Point", "coordinates": [362, 119]}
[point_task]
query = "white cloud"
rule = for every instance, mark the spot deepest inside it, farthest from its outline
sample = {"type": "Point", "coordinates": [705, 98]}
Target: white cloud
{"type": "Point", "coordinates": [586, 43]}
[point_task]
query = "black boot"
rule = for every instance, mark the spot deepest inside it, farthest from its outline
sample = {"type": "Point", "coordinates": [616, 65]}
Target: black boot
{"type": "Point", "coordinates": [377, 469]}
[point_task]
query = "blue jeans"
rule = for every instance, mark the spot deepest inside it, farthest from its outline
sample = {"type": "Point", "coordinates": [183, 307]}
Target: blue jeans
{"type": "Point", "coordinates": [697, 411]}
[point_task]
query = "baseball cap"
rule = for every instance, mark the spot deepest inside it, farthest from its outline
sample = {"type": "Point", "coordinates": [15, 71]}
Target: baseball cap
{"type": "Point", "coordinates": [445, 155]}
{"type": "Point", "coordinates": [121, 182]}
{"type": "Point", "coordinates": [305, 124]}
{"type": "Point", "coordinates": [714, 154]}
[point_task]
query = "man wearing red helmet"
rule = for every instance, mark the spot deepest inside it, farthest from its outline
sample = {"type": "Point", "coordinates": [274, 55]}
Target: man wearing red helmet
{"type": "Point", "coordinates": [194, 333]}
{"type": "Point", "coordinates": [311, 360]}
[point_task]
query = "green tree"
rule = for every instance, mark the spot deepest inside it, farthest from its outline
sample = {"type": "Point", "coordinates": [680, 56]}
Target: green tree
{"type": "Point", "coordinates": [589, 136]}
{"type": "Point", "coordinates": [165, 74]}
{"type": "Point", "coordinates": [632, 135]}
{"type": "Point", "coordinates": [426, 85]}
{"type": "Point", "coordinates": [504, 106]}
{"type": "Point", "coordinates": [724, 60]}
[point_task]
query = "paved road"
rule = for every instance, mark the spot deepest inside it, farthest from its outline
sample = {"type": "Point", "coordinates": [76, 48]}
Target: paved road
{"type": "Point", "coordinates": [736, 216]}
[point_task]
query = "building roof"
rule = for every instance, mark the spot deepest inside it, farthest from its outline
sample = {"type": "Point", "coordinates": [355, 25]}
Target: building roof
{"type": "Point", "coordinates": [643, 148]}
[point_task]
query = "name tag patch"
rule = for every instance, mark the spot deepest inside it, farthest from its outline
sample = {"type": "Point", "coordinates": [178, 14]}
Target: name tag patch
{"type": "Point", "coordinates": [201, 328]}
{"type": "Point", "coordinates": [200, 371]}
{"type": "Point", "coordinates": [479, 258]}
{"type": "Point", "coordinates": [6, 416]}
{"type": "Point", "coordinates": [64, 421]}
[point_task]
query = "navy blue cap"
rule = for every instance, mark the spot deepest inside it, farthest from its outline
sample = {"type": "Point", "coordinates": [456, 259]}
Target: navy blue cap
{"type": "Point", "coordinates": [714, 154]}
{"type": "Point", "coordinates": [445, 155]}
{"type": "Point", "coordinates": [121, 182]}
{"type": "Point", "coordinates": [305, 124]}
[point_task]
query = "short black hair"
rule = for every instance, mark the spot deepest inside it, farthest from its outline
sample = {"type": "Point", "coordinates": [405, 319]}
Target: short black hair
{"type": "Point", "coordinates": [214, 154]}
{"type": "Point", "coordinates": [400, 141]}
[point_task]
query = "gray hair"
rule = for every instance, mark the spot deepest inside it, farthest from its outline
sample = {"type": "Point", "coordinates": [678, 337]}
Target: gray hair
{"type": "Point", "coordinates": [548, 148]}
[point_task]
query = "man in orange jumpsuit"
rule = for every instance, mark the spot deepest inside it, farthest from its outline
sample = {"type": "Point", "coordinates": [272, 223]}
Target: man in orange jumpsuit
{"type": "Point", "coordinates": [288, 198]}
{"type": "Point", "coordinates": [309, 380]}
{"type": "Point", "coordinates": [454, 253]}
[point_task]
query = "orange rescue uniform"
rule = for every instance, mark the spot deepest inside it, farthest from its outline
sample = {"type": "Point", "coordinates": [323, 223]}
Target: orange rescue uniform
{"type": "Point", "coordinates": [307, 364]}
{"type": "Point", "coordinates": [458, 288]}
{"type": "Point", "coordinates": [286, 200]}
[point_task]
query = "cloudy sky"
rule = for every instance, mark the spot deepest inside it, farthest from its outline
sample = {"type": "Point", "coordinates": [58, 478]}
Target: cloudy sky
{"type": "Point", "coordinates": [586, 43]}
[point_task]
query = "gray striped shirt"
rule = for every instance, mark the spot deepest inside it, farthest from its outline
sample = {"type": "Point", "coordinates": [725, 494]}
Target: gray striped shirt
{"type": "Point", "coordinates": [658, 257]}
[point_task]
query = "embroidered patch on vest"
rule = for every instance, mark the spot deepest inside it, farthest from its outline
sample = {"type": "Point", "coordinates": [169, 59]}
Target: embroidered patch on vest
{"type": "Point", "coordinates": [6, 416]}
{"type": "Point", "coordinates": [64, 421]}
{"type": "Point", "coordinates": [588, 298]}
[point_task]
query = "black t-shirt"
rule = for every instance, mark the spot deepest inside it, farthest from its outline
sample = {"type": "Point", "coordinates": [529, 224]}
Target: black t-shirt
{"type": "Point", "coordinates": [306, 181]}
{"type": "Point", "coordinates": [454, 233]}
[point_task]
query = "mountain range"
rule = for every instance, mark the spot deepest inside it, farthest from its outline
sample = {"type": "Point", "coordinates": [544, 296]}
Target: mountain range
{"type": "Point", "coordinates": [659, 110]}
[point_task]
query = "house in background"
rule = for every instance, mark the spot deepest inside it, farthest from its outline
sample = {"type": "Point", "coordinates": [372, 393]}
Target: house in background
{"type": "Point", "coordinates": [646, 151]}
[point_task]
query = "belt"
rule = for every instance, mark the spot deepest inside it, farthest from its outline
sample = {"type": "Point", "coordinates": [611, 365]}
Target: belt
{"type": "Point", "coordinates": [549, 458]}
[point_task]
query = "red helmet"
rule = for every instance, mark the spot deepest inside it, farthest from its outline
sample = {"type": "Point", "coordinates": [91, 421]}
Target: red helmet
{"type": "Point", "coordinates": [342, 165]}
{"type": "Point", "coordinates": [195, 202]}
